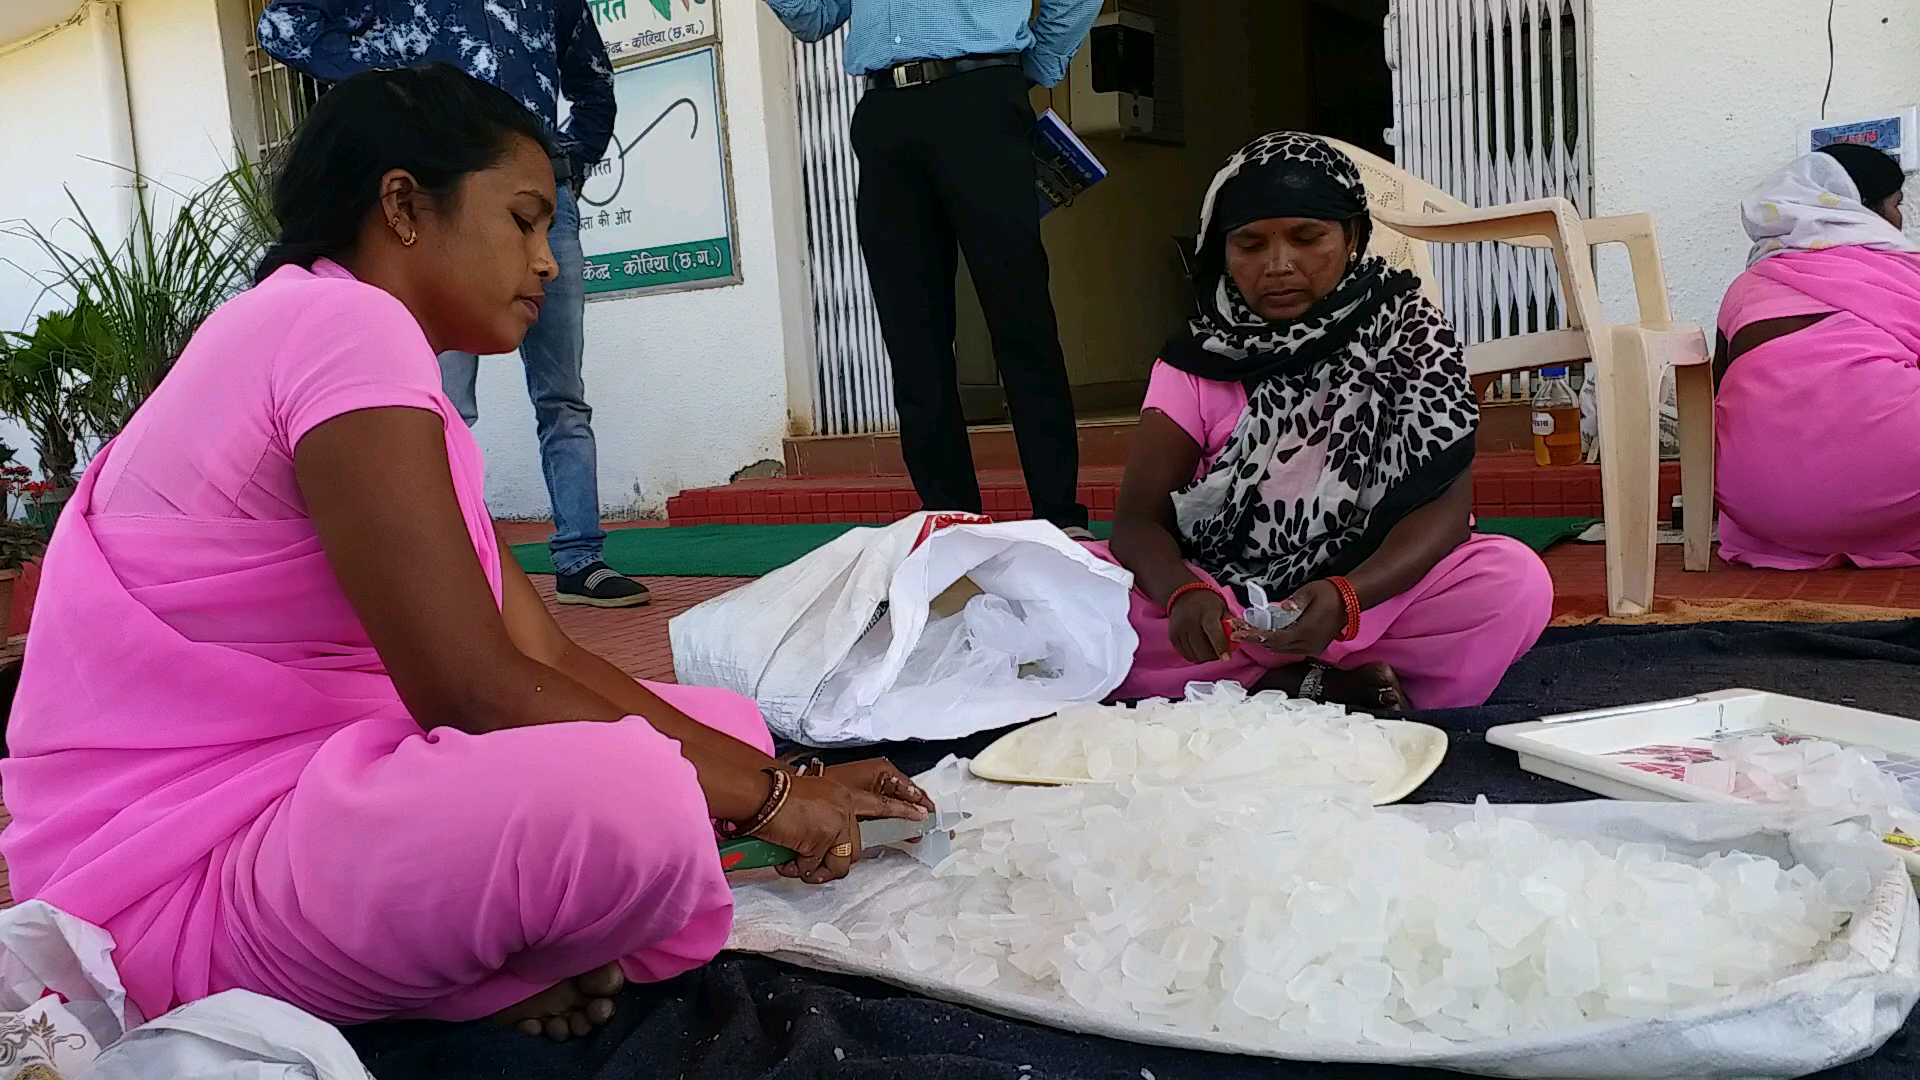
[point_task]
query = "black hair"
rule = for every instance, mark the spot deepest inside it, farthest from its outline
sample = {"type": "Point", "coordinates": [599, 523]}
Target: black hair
{"type": "Point", "coordinates": [1874, 173]}
{"type": "Point", "coordinates": [435, 121]}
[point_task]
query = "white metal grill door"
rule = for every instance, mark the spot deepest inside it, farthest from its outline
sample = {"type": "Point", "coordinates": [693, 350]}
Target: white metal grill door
{"type": "Point", "coordinates": [852, 382]}
{"type": "Point", "coordinates": [1491, 106]}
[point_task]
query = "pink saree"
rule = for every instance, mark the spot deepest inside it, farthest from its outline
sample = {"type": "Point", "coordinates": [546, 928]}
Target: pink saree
{"type": "Point", "coordinates": [210, 761]}
{"type": "Point", "coordinates": [1818, 432]}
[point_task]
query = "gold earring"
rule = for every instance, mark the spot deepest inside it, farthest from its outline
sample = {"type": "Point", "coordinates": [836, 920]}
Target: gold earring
{"type": "Point", "coordinates": [408, 240]}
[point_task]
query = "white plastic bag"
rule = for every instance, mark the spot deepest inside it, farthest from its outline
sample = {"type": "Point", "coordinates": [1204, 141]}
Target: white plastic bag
{"type": "Point", "coordinates": [62, 1008]}
{"type": "Point", "coordinates": [844, 646]}
{"type": "Point", "coordinates": [1812, 1018]}
{"type": "Point", "coordinates": [232, 1036]}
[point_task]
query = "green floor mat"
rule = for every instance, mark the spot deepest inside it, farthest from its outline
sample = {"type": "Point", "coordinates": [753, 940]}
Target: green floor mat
{"type": "Point", "coordinates": [753, 550]}
{"type": "Point", "coordinates": [1537, 533]}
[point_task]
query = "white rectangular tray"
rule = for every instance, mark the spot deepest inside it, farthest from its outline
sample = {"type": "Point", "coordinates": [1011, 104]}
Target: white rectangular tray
{"type": "Point", "coordinates": [1592, 750]}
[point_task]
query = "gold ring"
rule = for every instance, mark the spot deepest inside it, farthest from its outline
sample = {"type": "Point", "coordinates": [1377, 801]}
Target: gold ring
{"type": "Point", "coordinates": [843, 851]}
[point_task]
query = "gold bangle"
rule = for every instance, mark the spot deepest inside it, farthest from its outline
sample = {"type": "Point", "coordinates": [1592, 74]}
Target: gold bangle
{"type": "Point", "coordinates": [776, 799]}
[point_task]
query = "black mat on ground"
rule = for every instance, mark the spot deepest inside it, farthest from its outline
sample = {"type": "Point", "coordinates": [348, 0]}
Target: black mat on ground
{"type": "Point", "coordinates": [744, 1017]}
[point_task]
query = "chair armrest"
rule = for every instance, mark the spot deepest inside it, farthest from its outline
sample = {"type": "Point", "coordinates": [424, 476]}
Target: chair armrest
{"type": "Point", "coordinates": [1525, 224]}
{"type": "Point", "coordinates": [1643, 256]}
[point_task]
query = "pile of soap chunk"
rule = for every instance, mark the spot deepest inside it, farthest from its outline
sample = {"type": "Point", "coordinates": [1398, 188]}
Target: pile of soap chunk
{"type": "Point", "coordinates": [1266, 914]}
{"type": "Point", "coordinates": [1811, 774]}
{"type": "Point", "coordinates": [1217, 733]}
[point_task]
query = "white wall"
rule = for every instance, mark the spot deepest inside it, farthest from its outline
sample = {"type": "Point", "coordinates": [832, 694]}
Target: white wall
{"type": "Point", "coordinates": [688, 388]}
{"type": "Point", "coordinates": [64, 132]}
{"type": "Point", "coordinates": [177, 72]}
{"type": "Point", "coordinates": [56, 125]}
{"type": "Point", "coordinates": [1695, 103]}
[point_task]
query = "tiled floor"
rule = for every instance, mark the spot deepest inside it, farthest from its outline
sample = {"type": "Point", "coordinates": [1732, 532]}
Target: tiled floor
{"type": "Point", "coordinates": [1580, 583]}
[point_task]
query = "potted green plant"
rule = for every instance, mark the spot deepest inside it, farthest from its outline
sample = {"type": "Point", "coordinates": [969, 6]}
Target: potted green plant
{"type": "Point", "coordinates": [45, 383]}
{"type": "Point", "coordinates": [78, 376]}
{"type": "Point", "coordinates": [144, 295]}
{"type": "Point", "coordinates": [20, 544]}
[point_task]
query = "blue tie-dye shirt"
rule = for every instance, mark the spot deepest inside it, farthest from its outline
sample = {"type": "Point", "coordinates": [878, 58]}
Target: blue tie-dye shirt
{"type": "Point", "coordinates": [535, 50]}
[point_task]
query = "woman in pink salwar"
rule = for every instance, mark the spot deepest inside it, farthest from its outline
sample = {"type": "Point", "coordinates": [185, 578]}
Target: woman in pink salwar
{"type": "Point", "coordinates": [292, 721]}
{"type": "Point", "coordinates": [1817, 411]}
{"type": "Point", "coordinates": [1311, 433]}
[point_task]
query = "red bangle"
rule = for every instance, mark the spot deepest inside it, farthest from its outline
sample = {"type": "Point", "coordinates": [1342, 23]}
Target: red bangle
{"type": "Point", "coordinates": [1190, 587]}
{"type": "Point", "coordinates": [1350, 601]}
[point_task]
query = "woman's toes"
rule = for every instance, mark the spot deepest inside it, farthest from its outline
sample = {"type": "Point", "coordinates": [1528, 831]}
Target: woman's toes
{"type": "Point", "coordinates": [600, 1010]}
{"type": "Point", "coordinates": [557, 1028]}
{"type": "Point", "coordinates": [530, 1027]}
{"type": "Point", "coordinates": [578, 1023]}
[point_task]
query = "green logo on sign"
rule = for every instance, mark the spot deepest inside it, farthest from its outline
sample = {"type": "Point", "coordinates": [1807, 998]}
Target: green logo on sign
{"type": "Point", "coordinates": [664, 7]}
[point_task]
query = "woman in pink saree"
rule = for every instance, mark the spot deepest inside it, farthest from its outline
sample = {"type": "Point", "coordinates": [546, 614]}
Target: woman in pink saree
{"type": "Point", "coordinates": [1818, 366]}
{"type": "Point", "coordinates": [292, 722]}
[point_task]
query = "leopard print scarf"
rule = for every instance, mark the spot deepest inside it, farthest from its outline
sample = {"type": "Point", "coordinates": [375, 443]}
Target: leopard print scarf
{"type": "Point", "coordinates": [1358, 413]}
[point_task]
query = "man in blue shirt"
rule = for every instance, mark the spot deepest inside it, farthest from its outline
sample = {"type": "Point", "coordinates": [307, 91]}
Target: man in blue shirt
{"type": "Point", "coordinates": [945, 141]}
{"type": "Point", "coordinates": [535, 50]}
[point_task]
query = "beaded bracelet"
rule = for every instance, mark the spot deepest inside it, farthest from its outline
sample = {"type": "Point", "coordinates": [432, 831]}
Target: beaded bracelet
{"type": "Point", "coordinates": [1190, 587]}
{"type": "Point", "coordinates": [1350, 602]}
{"type": "Point", "coordinates": [777, 798]}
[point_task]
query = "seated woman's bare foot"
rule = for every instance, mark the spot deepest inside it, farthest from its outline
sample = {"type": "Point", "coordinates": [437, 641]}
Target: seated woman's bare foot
{"type": "Point", "coordinates": [1369, 688]}
{"type": "Point", "coordinates": [568, 1010]}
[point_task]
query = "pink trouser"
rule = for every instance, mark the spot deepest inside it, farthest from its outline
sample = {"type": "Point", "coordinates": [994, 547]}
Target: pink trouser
{"type": "Point", "coordinates": [1450, 638]}
{"type": "Point", "coordinates": [448, 876]}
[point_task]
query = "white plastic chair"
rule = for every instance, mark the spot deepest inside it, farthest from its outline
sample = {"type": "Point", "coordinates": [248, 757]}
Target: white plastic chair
{"type": "Point", "coordinates": [1629, 359]}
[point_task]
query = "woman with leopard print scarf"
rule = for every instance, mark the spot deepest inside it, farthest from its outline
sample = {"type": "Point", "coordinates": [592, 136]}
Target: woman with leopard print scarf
{"type": "Point", "coordinates": [1310, 433]}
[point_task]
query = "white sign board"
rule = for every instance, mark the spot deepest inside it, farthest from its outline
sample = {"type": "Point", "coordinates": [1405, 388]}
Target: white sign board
{"type": "Point", "coordinates": [637, 29]}
{"type": "Point", "coordinates": [1895, 133]}
{"type": "Point", "coordinates": [657, 212]}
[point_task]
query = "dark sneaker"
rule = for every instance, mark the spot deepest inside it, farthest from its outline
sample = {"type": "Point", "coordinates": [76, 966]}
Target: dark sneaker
{"type": "Point", "coordinates": [599, 585]}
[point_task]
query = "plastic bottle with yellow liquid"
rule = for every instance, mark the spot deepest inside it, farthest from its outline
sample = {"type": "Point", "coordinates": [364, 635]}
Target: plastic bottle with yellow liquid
{"type": "Point", "coordinates": [1556, 419]}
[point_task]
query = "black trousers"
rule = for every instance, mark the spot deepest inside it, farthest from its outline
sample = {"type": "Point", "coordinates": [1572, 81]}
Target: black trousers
{"type": "Point", "coordinates": [944, 168]}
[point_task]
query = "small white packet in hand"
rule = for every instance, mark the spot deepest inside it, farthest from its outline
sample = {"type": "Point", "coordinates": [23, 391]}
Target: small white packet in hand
{"type": "Point", "coordinates": [1262, 615]}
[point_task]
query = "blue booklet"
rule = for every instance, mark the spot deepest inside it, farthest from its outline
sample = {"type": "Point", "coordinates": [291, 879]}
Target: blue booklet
{"type": "Point", "coordinates": [1067, 167]}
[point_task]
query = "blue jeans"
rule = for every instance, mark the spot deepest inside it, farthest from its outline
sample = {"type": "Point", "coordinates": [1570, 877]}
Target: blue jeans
{"type": "Point", "coordinates": [552, 357]}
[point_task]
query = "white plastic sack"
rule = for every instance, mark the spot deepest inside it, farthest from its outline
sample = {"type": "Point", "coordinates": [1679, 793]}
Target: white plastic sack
{"type": "Point", "coordinates": [1818, 1016]}
{"type": "Point", "coordinates": [96, 1033]}
{"type": "Point", "coordinates": [879, 635]}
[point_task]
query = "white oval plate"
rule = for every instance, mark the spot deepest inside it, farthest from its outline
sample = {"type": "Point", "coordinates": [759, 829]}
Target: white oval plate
{"type": "Point", "coordinates": [1423, 746]}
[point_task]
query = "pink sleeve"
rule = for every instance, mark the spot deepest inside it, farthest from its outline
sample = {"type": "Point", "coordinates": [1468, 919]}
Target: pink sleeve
{"type": "Point", "coordinates": [1177, 394]}
{"type": "Point", "coordinates": [353, 347]}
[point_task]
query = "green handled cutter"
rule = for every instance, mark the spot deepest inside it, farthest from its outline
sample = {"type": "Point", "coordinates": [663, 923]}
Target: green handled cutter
{"type": "Point", "coordinates": [751, 854]}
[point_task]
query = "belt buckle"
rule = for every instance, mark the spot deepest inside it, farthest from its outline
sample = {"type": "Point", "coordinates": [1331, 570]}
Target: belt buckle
{"type": "Point", "coordinates": [907, 75]}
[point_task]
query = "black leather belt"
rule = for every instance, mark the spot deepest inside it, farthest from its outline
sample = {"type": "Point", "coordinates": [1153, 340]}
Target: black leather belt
{"type": "Point", "coordinates": [922, 72]}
